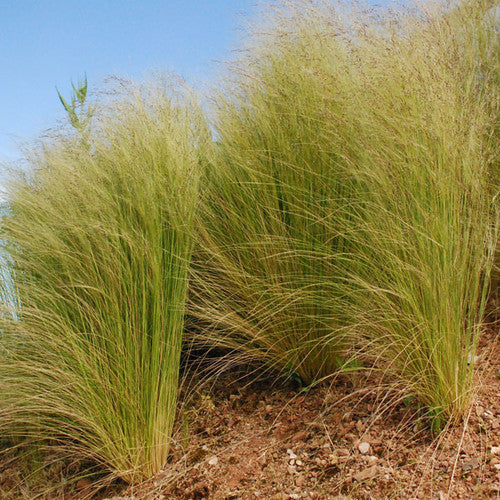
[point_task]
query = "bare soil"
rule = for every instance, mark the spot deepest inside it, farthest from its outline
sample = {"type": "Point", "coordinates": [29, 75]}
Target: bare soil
{"type": "Point", "coordinates": [349, 439]}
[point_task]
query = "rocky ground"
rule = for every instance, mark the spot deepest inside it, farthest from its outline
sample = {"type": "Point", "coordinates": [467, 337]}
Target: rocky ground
{"type": "Point", "coordinates": [349, 439]}
{"type": "Point", "coordinates": [346, 440]}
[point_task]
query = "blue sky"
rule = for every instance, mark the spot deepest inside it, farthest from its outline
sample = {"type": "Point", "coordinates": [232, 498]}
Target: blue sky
{"type": "Point", "coordinates": [46, 43]}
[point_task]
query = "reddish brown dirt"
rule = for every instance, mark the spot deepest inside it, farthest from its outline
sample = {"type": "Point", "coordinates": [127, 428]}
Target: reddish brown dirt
{"type": "Point", "coordinates": [270, 442]}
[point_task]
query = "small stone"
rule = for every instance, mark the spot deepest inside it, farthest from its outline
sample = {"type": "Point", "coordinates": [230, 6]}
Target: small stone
{"type": "Point", "coordinates": [471, 464]}
{"type": "Point", "coordinates": [371, 459]}
{"type": "Point", "coordinates": [291, 454]}
{"type": "Point", "coordinates": [471, 358]}
{"type": "Point", "coordinates": [497, 466]}
{"type": "Point", "coordinates": [479, 411]}
{"type": "Point", "coordinates": [299, 463]}
{"type": "Point", "coordinates": [213, 460]}
{"type": "Point", "coordinates": [364, 447]}
{"type": "Point", "coordinates": [268, 408]}
{"type": "Point", "coordinates": [495, 450]}
{"type": "Point", "coordinates": [365, 474]}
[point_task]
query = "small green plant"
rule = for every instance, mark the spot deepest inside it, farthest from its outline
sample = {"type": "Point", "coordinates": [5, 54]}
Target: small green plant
{"type": "Point", "coordinates": [79, 111]}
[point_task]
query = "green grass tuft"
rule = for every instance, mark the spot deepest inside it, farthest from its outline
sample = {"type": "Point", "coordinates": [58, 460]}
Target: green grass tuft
{"type": "Point", "coordinates": [353, 198]}
{"type": "Point", "coordinates": [99, 234]}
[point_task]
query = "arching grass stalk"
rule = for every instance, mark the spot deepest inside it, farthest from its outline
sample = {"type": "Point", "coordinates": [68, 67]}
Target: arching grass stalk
{"type": "Point", "coordinates": [99, 237]}
{"type": "Point", "coordinates": [430, 166]}
{"type": "Point", "coordinates": [353, 196]}
{"type": "Point", "coordinates": [268, 280]}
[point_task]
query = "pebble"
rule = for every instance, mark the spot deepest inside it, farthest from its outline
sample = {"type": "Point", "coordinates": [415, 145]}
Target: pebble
{"type": "Point", "coordinates": [366, 474]}
{"type": "Point", "coordinates": [364, 447]}
{"type": "Point", "coordinates": [495, 450]}
{"type": "Point", "coordinates": [471, 464]}
{"type": "Point", "coordinates": [471, 358]}
{"type": "Point", "coordinates": [213, 460]}
{"type": "Point", "coordinates": [291, 454]}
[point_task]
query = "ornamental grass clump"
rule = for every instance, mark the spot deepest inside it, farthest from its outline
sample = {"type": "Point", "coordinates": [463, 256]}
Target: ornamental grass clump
{"type": "Point", "coordinates": [99, 240]}
{"type": "Point", "coordinates": [268, 277]}
{"type": "Point", "coordinates": [428, 232]}
{"type": "Point", "coordinates": [352, 200]}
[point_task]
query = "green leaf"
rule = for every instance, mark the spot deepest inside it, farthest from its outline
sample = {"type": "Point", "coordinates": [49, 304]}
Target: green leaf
{"type": "Point", "coordinates": [66, 106]}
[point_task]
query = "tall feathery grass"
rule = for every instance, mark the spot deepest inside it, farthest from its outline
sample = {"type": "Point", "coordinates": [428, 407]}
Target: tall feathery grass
{"type": "Point", "coordinates": [99, 239]}
{"type": "Point", "coordinates": [349, 207]}
{"type": "Point", "coordinates": [352, 197]}
{"type": "Point", "coordinates": [267, 277]}
{"type": "Point", "coordinates": [428, 234]}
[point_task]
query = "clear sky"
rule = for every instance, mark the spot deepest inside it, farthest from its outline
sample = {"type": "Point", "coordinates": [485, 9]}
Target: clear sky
{"type": "Point", "coordinates": [46, 43]}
